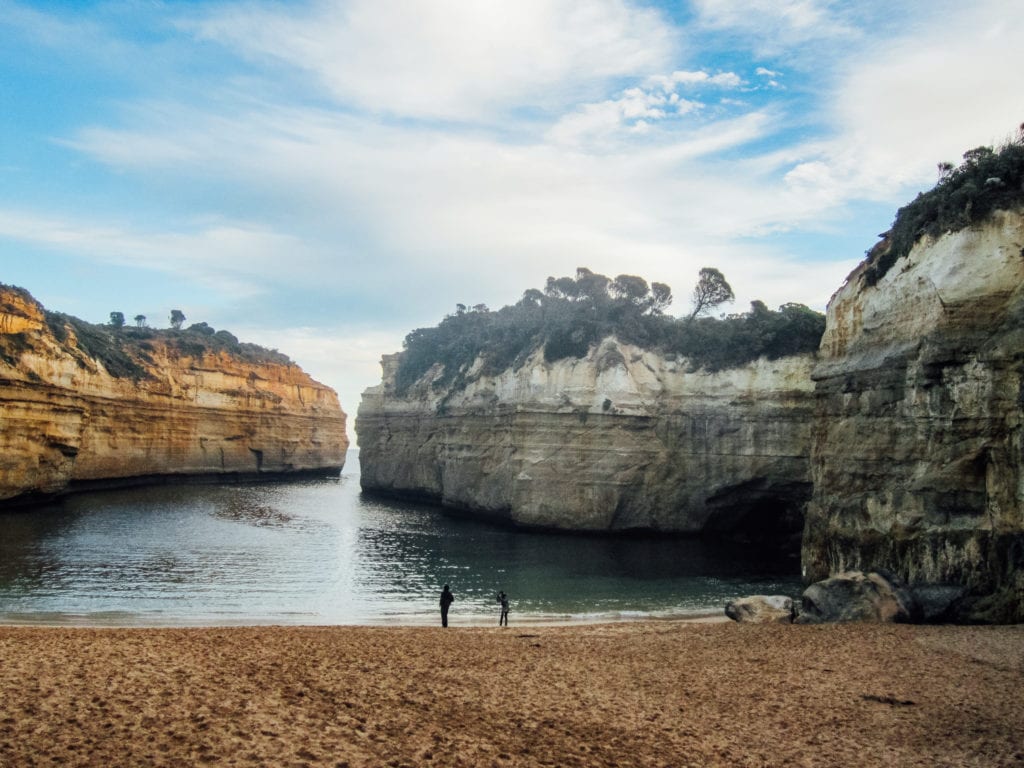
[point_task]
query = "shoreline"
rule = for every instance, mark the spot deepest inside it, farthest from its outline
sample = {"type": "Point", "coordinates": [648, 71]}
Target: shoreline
{"type": "Point", "coordinates": [90, 621]}
{"type": "Point", "coordinates": [644, 693]}
{"type": "Point", "coordinates": [31, 502]}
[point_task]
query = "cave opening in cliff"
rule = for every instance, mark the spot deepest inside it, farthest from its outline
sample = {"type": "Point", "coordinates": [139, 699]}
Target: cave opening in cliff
{"type": "Point", "coordinates": [768, 517]}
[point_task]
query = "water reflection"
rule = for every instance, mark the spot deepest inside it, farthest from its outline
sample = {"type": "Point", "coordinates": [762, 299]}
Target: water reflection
{"type": "Point", "coordinates": [318, 551]}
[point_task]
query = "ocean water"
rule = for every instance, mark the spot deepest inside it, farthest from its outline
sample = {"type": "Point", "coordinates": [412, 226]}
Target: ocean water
{"type": "Point", "coordinates": [321, 552]}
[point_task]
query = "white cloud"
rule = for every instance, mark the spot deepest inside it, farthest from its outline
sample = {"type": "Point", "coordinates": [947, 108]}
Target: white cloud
{"type": "Point", "coordinates": [606, 122]}
{"type": "Point", "coordinates": [448, 202]}
{"type": "Point", "coordinates": [603, 125]}
{"type": "Point", "coordinates": [947, 87]}
{"type": "Point", "coordinates": [775, 25]}
{"type": "Point", "coordinates": [482, 217]}
{"type": "Point", "coordinates": [133, 149]}
{"type": "Point", "coordinates": [681, 77]}
{"type": "Point", "coordinates": [239, 261]}
{"type": "Point", "coordinates": [903, 105]}
{"type": "Point", "coordinates": [450, 59]}
{"type": "Point", "coordinates": [623, 169]}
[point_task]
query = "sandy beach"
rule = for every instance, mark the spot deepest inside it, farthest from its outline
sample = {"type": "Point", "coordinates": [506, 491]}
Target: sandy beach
{"type": "Point", "coordinates": [630, 694]}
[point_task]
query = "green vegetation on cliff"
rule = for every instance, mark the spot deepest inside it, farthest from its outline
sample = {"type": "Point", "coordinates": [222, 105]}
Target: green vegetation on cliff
{"type": "Point", "coordinates": [572, 314]}
{"type": "Point", "coordinates": [987, 180]}
{"type": "Point", "coordinates": [124, 351]}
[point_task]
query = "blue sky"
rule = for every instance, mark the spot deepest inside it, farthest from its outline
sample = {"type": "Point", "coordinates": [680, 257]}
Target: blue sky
{"type": "Point", "coordinates": [323, 177]}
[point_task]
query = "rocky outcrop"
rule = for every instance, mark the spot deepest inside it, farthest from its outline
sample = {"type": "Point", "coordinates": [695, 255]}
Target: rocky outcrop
{"type": "Point", "coordinates": [917, 439]}
{"type": "Point", "coordinates": [761, 609]}
{"type": "Point", "coordinates": [622, 439]}
{"type": "Point", "coordinates": [880, 596]}
{"type": "Point", "coordinates": [67, 419]}
{"type": "Point", "coordinates": [856, 596]}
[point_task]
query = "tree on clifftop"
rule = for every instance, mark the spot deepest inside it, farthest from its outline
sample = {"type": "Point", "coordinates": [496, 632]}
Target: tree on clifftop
{"type": "Point", "coordinates": [140, 321]}
{"type": "Point", "coordinates": [572, 314]}
{"type": "Point", "coordinates": [177, 318]}
{"type": "Point", "coordinates": [710, 291]}
{"type": "Point", "coordinates": [117, 319]}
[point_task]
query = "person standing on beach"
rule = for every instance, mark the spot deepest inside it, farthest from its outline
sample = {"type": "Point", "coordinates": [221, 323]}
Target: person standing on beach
{"type": "Point", "coordinates": [447, 598]}
{"type": "Point", "coordinates": [503, 599]}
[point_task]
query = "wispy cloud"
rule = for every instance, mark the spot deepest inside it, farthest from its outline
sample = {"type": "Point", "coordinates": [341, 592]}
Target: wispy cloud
{"type": "Point", "coordinates": [449, 59]}
{"type": "Point", "coordinates": [668, 83]}
{"type": "Point", "coordinates": [607, 177]}
{"type": "Point", "coordinates": [639, 110]}
{"type": "Point", "coordinates": [238, 260]}
{"type": "Point", "coordinates": [392, 160]}
{"type": "Point", "coordinates": [904, 104]}
{"type": "Point", "coordinates": [46, 29]}
{"type": "Point", "coordinates": [772, 26]}
{"type": "Point", "coordinates": [947, 85]}
{"type": "Point", "coordinates": [441, 201]}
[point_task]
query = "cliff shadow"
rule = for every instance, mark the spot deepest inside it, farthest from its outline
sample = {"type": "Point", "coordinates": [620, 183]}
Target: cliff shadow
{"type": "Point", "coordinates": [759, 513]}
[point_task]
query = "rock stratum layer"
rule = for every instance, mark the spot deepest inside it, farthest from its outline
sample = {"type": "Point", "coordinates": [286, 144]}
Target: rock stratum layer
{"type": "Point", "coordinates": [67, 420]}
{"type": "Point", "coordinates": [917, 443]}
{"type": "Point", "coordinates": [620, 440]}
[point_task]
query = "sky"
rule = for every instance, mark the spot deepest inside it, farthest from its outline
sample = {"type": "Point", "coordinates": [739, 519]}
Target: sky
{"type": "Point", "coordinates": [323, 177]}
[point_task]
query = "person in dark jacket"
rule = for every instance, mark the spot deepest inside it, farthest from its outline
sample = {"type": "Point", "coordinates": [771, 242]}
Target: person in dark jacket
{"type": "Point", "coordinates": [503, 599]}
{"type": "Point", "coordinates": [447, 598]}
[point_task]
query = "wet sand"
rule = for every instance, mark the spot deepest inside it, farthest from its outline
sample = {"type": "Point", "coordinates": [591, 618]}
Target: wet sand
{"type": "Point", "coordinates": [631, 694]}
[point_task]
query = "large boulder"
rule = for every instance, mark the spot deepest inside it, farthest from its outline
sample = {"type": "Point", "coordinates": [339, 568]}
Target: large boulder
{"type": "Point", "coordinates": [761, 609]}
{"type": "Point", "coordinates": [857, 596]}
{"type": "Point", "coordinates": [943, 603]}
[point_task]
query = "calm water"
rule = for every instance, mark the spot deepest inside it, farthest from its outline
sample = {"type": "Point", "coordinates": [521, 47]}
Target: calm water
{"type": "Point", "coordinates": [319, 552]}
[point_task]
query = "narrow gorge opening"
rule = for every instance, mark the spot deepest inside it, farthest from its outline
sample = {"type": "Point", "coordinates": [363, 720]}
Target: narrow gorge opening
{"type": "Point", "coordinates": [758, 514]}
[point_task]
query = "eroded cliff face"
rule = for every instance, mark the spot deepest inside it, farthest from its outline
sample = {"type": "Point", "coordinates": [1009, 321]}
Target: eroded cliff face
{"type": "Point", "coordinates": [917, 439]}
{"type": "Point", "coordinates": [623, 439]}
{"type": "Point", "coordinates": [65, 419]}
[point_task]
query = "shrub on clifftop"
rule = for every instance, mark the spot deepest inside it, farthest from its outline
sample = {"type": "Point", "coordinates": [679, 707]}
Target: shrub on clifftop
{"type": "Point", "coordinates": [572, 314]}
{"type": "Point", "coordinates": [987, 180]}
{"type": "Point", "coordinates": [124, 350]}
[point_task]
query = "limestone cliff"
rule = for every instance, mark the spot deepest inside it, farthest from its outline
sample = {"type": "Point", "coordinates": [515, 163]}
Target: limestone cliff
{"type": "Point", "coordinates": [158, 404]}
{"type": "Point", "coordinates": [621, 439]}
{"type": "Point", "coordinates": [917, 439]}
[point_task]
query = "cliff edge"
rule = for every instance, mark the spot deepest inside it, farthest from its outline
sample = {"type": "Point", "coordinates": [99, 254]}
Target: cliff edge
{"type": "Point", "coordinates": [620, 439]}
{"type": "Point", "coordinates": [917, 452]}
{"type": "Point", "coordinates": [84, 404]}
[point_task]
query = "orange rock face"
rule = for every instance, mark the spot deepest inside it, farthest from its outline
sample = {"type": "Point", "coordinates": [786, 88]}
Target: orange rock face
{"type": "Point", "coordinates": [159, 403]}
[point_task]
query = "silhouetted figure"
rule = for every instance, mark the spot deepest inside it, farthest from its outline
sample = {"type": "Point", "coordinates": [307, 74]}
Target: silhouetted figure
{"type": "Point", "coordinates": [447, 598]}
{"type": "Point", "coordinates": [503, 599]}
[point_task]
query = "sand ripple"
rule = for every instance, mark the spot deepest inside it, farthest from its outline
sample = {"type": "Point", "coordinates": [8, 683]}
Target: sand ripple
{"type": "Point", "coordinates": [644, 694]}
